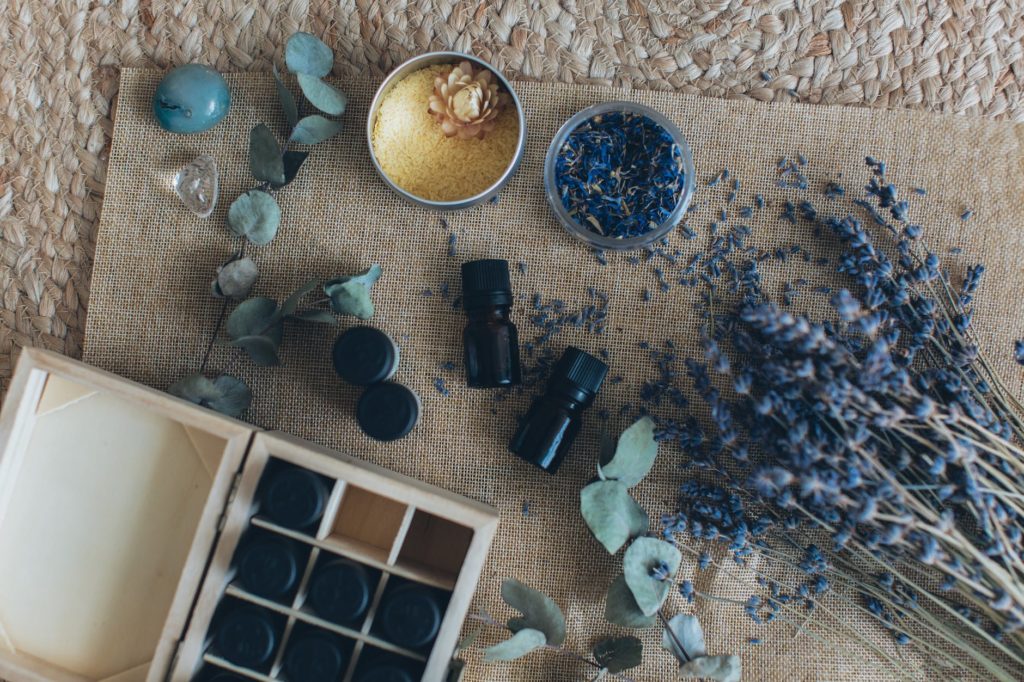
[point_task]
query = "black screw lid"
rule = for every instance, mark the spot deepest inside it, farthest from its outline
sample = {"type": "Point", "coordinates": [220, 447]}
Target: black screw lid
{"type": "Point", "coordinates": [579, 369]}
{"type": "Point", "coordinates": [384, 672]}
{"type": "Point", "coordinates": [245, 636]}
{"type": "Point", "coordinates": [411, 615]}
{"type": "Point", "coordinates": [339, 591]}
{"type": "Point", "coordinates": [224, 676]}
{"type": "Point", "coordinates": [486, 282]}
{"type": "Point", "coordinates": [364, 355]}
{"type": "Point", "coordinates": [387, 411]}
{"type": "Point", "coordinates": [314, 657]}
{"type": "Point", "coordinates": [294, 498]}
{"type": "Point", "coordinates": [267, 565]}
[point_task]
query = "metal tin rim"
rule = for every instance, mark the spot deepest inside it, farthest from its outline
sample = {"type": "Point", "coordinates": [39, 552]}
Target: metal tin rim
{"type": "Point", "coordinates": [427, 59]}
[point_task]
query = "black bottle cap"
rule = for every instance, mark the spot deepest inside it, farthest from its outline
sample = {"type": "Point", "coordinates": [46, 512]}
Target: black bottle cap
{"type": "Point", "coordinates": [411, 615]}
{"type": "Point", "coordinates": [384, 672]}
{"type": "Point", "coordinates": [294, 498]}
{"type": "Point", "coordinates": [224, 676]}
{"type": "Point", "coordinates": [486, 282]}
{"type": "Point", "coordinates": [580, 370]}
{"type": "Point", "coordinates": [246, 637]}
{"type": "Point", "coordinates": [267, 565]}
{"type": "Point", "coordinates": [387, 411]}
{"type": "Point", "coordinates": [365, 356]}
{"type": "Point", "coordinates": [339, 591]}
{"type": "Point", "coordinates": [314, 657]}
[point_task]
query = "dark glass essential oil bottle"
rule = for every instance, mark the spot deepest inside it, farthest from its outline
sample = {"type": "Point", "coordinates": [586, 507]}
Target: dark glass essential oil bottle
{"type": "Point", "coordinates": [490, 339]}
{"type": "Point", "coordinates": [547, 431]}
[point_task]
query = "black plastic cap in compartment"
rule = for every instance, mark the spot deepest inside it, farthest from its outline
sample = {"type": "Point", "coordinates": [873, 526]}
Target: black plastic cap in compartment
{"type": "Point", "coordinates": [339, 591]}
{"type": "Point", "coordinates": [410, 615]}
{"type": "Point", "coordinates": [268, 565]}
{"type": "Point", "coordinates": [246, 636]}
{"type": "Point", "coordinates": [364, 356]}
{"type": "Point", "coordinates": [313, 656]}
{"type": "Point", "coordinates": [580, 370]}
{"type": "Point", "coordinates": [384, 671]}
{"type": "Point", "coordinates": [387, 411]}
{"type": "Point", "coordinates": [486, 282]}
{"type": "Point", "coordinates": [294, 498]}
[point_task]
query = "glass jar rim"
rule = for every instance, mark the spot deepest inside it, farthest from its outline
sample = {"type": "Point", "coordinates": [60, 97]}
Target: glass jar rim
{"type": "Point", "coordinates": [571, 225]}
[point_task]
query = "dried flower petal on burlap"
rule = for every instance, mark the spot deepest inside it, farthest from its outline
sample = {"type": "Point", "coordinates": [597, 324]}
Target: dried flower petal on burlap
{"type": "Point", "coordinates": [467, 102]}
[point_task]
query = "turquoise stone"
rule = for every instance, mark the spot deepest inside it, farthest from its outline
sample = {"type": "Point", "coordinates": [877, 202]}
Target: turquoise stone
{"type": "Point", "coordinates": [190, 99]}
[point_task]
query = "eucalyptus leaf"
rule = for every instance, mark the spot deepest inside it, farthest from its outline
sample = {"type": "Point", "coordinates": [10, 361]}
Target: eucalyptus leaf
{"type": "Point", "coordinates": [292, 160]}
{"type": "Point", "coordinates": [235, 397]}
{"type": "Point", "coordinates": [321, 316]}
{"type": "Point", "coordinates": [265, 155]}
{"type": "Point", "coordinates": [254, 215]}
{"type": "Point", "coordinates": [351, 295]}
{"type": "Point", "coordinates": [721, 668]}
{"type": "Point", "coordinates": [195, 388]}
{"type": "Point", "coordinates": [292, 302]}
{"type": "Point", "coordinates": [314, 129]}
{"type": "Point", "coordinates": [642, 557]}
{"type": "Point", "coordinates": [519, 644]}
{"type": "Point", "coordinates": [235, 278]}
{"type": "Point", "coordinates": [225, 394]}
{"type": "Point", "coordinates": [619, 653]}
{"type": "Point", "coordinates": [685, 631]}
{"type": "Point", "coordinates": [539, 611]}
{"type": "Point", "coordinates": [252, 317]}
{"type": "Point", "coordinates": [611, 514]}
{"type": "Point", "coordinates": [620, 607]}
{"type": "Point", "coordinates": [634, 455]}
{"type": "Point", "coordinates": [262, 349]}
{"type": "Point", "coordinates": [288, 106]}
{"type": "Point", "coordinates": [323, 96]}
{"type": "Point", "coordinates": [305, 53]}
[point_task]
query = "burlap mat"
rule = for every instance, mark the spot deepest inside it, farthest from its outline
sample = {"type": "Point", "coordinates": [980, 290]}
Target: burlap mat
{"type": "Point", "coordinates": [60, 61]}
{"type": "Point", "coordinates": [151, 314]}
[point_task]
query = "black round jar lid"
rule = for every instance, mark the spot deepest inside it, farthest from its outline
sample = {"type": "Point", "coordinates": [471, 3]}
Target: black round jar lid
{"type": "Point", "coordinates": [387, 411]}
{"type": "Point", "coordinates": [267, 566]}
{"type": "Point", "coordinates": [411, 616]}
{"type": "Point", "coordinates": [246, 637]}
{"type": "Point", "coordinates": [294, 498]}
{"type": "Point", "coordinates": [314, 657]}
{"type": "Point", "coordinates": [340, 591]}
{"type": "Point", "coordinates": [224, 676]}
{"type": "Point", "coordinates": [385, 672]}
{"type": "Point", "coordinates": [364, 356]}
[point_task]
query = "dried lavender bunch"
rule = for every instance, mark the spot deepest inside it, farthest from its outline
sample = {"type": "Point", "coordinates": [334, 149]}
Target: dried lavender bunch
{"type": "Point", "coordinates": [883, 429]}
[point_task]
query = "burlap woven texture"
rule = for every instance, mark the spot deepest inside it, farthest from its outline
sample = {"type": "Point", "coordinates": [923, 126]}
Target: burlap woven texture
{"type": "Point", "coordinates": [151, 314]}
{"type": "Point", "coordinates": [59, 64]}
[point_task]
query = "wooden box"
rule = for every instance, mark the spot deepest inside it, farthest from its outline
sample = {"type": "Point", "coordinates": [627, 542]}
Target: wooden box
{"type": "Point", "coordinates": [121, 509]}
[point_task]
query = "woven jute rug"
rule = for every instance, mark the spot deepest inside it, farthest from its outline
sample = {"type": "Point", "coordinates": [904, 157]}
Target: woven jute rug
{"type": "Point", "coordinates": [59, 63]}
{"type": "Point", "coordinates": [151, 316]}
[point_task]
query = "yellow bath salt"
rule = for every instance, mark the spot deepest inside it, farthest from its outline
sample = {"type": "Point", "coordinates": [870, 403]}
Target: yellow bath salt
{"type": "Point", "coordinates": [415, 154]}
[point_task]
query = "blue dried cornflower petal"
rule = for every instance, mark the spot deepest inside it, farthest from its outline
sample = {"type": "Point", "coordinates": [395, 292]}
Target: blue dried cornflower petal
{"type": "Point", "coordinates": [1018, 351]}
{"type": "Point", "coordinates": [686, 589]}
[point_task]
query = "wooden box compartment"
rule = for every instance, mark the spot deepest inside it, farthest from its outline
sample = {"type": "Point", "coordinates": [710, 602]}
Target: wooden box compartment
{"type": "Point", "coordinates": [125, 515]}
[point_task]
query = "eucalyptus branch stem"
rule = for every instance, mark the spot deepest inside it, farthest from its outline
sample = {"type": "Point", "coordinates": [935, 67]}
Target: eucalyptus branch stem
{"type": "Point", "coordinates": [672, 634]}
{"type": "Point", "coordinates": [213, 336]}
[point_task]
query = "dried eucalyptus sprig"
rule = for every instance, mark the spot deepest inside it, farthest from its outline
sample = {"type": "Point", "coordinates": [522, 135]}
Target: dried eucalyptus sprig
{"type": "Point", "coordinates": [256, 324]}
{"type": "Point", "coordinates": [635, 597]}
{"type": "Point", "coordinates": [542, 626]}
